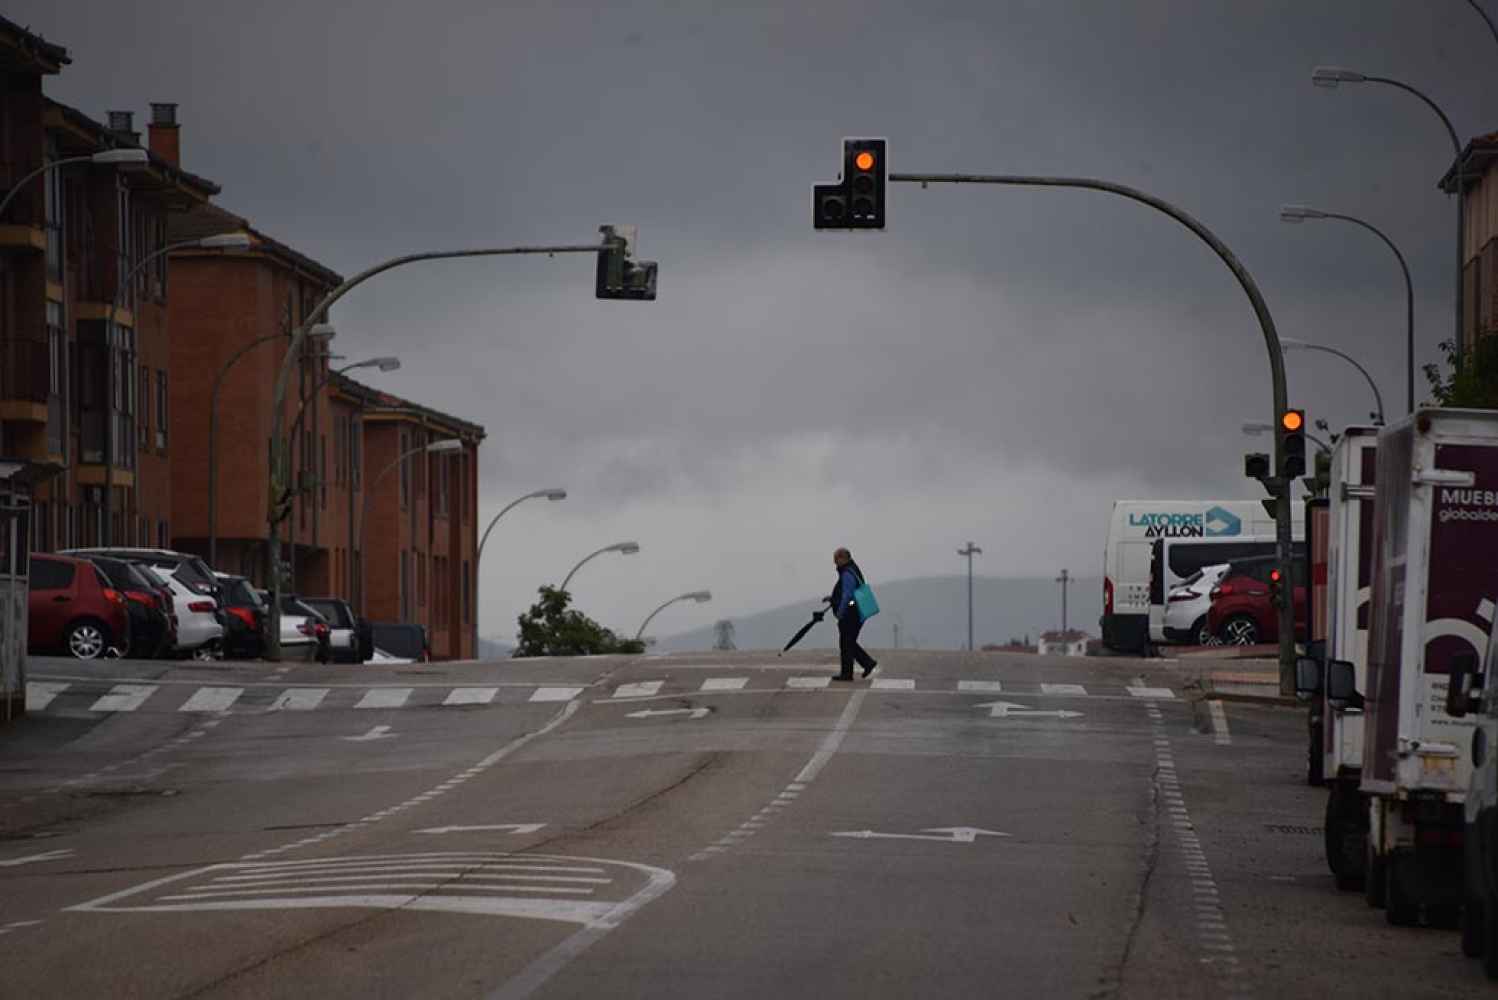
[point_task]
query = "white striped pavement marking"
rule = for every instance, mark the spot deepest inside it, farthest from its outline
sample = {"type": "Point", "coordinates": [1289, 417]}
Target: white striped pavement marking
{"type": "Point", "coordinates": [1220, 734]}
{"type": "Point", "coordinates": [725, 683]}
{"type": "Point", "coordinates": [893, 684]}
{"type": "Point", "coordinates": [980, 687]}
{"type": "Point", "coordinates": [641, 689]}
{"type": "Point", "coordinates": [384, 698]}
{"type": "Point", "coordinates": [299, 699]}
{"type": "Point", "coordinates": [470, 696]}
{"type": "Point", "coordinates": [1162, 694]}
{"type": "Point", "coordinates": [556, 693]}
{"type": "Point", "coordinates": [39, 694]}
{"type": "Point", "coordinates": [124, 698]}
{"type": "Point", "coordinates": [1063, 689]}
{"type": "Point", "coordinates": [212, 699]}
{"type": "Point", "coordinates": [807, 683]}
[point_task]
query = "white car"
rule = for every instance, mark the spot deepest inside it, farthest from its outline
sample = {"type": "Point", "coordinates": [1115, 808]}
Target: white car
{"type": "Point", "coordinates": [199, 632]}
{"type": "Point", "coordinates": [1187, 604]}
{"type": "Point", "coordinates": [304, 633]}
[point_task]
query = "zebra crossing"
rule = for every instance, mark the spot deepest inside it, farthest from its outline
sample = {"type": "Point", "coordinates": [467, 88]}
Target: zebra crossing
{"type": "Point", "coordinates": [110, 698]}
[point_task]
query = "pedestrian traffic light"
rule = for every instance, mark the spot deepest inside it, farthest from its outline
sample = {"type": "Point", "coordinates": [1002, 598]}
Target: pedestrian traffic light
{"type": "Point", "coordinates": [856, 201]}
{"type": "Point", "coordinates": [1256, 465]}
{"type": "Point", "coordinates": [1293, 443]}
{"type": "Point", "coordinates": [619, 276]}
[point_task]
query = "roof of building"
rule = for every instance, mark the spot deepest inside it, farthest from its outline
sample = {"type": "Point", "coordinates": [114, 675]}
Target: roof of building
{"type": "Point", "coordinates": [374, 399]}
{"type": "Point", "coordinates": [210, 220]}
{"type": "Point", "coordinates": [21, 48]}
{"type": "Point", "coordinates": [1481, 153]}
{"type": "Point", "coordinates": [98, 136]}
{"type": "Point", "coordinates": [1070, 635]}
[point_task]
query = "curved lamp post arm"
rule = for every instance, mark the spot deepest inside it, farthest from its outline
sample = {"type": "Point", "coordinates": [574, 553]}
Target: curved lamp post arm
{"type": "Point", "coordinates": [628, 548]}
{"type": "Point", "coordinates": [1484, 14]}
{"type": "Point", "coordinates": [505, 510]}
{"type": "Point", "coordinates": [1409, 306]}
{"type": "Point", "coordinates": [301, 410]}
{"type": "Point", "coordinates": [1456, 143]}
{"type": "Point", "coordinates": [1377, 397]}
{"type": "Point", "coordinates": [218, 381]}
{"type": "Point", "coordinates": [15, 188]}
{"type": "Point", "coordinates": [697, 595]}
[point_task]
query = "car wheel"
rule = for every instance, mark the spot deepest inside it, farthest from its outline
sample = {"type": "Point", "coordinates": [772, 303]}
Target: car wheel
{"type": "Point", "coordinates": [207, 651]}
{"type": "Point", "coordinates": [1240, 630]}
{"type": "Point", "coordinates": [1201, 633]}
{"type": "Point", "coordinates": [87, 640]}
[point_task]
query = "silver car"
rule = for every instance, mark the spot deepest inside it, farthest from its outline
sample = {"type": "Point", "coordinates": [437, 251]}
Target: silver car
{"type": "Point", "coordinates": [199, 632]}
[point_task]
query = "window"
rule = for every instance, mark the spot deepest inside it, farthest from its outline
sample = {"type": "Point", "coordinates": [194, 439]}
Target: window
{"type": "Point", "coordinates": [405, 446]}
{"type": "Point", "coordinates": [145, 406]}
{"type": "Point", "coordinates": [51, 574]}
{"type": "Point", "coordinates": [56, 349]}
{"type": "Point", "coordinates": [53, 193]}
{"type": "Point", "coordinates": [405, 589]}
{"type": "Point", "coordinates": [161, 408]}
{"type": "Point", "coordinates": [122, 238]}
{"type": "Point", "coordinates": [163, 537]}
{"type": "Point", "coordinates": [356, 449]}
{"type": "Point", "coordinates": [421, 580]}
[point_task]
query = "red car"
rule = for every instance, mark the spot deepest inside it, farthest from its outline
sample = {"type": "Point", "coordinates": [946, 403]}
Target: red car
{"type": "Point", "coordinates": [1242, 613]}
{"type": "Point", "coordinates": [72, 609]}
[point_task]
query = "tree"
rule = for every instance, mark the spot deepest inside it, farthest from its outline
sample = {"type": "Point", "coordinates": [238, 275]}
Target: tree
{"type": "Point", "coordinates": [1476, 385]}
{"type": "Point", "coordinates": [550, 629]}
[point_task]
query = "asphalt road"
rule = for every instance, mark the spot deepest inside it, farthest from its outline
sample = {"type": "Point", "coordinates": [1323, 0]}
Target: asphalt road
{"type": "Point", "coordinates": [717, 825]}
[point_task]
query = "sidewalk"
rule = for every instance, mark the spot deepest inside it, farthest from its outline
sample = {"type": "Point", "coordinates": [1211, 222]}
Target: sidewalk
{"type": "Point", "coordinates": [1233, 673]}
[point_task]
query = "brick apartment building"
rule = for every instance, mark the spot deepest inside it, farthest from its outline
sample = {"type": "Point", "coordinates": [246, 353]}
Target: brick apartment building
{"type": "Point", "coordinates": [1479, 163]}
{"type": "Point", "coordinates": [68, 378]}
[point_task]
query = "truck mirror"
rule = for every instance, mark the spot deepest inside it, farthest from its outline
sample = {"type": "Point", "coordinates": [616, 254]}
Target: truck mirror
{"type": "Point", "coordinates": [1463, 685]}
{"type": "Point", "coordinates": [1341, 684]}
{"type": "Point", "coordinates": [1307, 677]}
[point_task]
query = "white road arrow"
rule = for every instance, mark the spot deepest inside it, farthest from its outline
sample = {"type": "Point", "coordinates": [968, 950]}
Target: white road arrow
{"type": "Point", "coordinates": [516, 828]}
{"type": "Point", "coordinates": [1008, 709]}
{"type": "Point", "coordinates": [650, 713]}
{"type": "Point", "coordinates": [954, 834]}
{"type": "Point", "coordinates": [35, 858]}
{"type": "Point", "coordinates": [375, 733]}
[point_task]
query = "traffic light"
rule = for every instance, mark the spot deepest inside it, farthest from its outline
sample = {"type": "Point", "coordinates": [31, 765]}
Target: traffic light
{"type": "Point", "coordinates": [619, 276]}
{"type": "Point", "coordinates": [1293, 443]}
{"type": "Point", "coordinates": [1256, 465]}
{"type": "Point", "coordinates": [856, 201]}
{"type": "Point", "coordinates": [1276, 588]}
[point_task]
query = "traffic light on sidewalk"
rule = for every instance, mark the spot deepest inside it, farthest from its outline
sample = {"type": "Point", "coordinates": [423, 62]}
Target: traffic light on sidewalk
{"type": "Point", "coordinates": [1292, 432]}
{"type": "Point", "coordinates": [856, 201]}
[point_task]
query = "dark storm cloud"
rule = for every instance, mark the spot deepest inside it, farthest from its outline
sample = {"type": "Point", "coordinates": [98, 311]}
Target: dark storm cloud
{"type": "Point", "coordinates": [1000, 358]}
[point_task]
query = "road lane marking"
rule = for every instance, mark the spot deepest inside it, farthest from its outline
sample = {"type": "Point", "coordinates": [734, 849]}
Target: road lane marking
{"type": "Point", "coordinates": [555, 693]}
{"type": "Point", "coordinates": [212, 699]}
{"type": "Point", "coordinates": [1076, 689]}
{"type": "Point", "coordinates": [1009, 709]}
{"type": "Point", "coordinates": [980, 687]}
{"type": "Point", "coordinates": [724, 683]}
{"type": "Point", "coordinates": [649, 713]}
{"type": "Point", "coordinates": [34, 859]}
{"type": "Point", "coordinates": [299, 699]}
{"type": "Point", "coordinates": [892, 684]}
{"type": "Point", "coordinates": [1152, 694]}
{"type": "Point", "coordinates": [384, 698]}
{"type": "Point", "coordinates": [1220, 734]}
{"type": "Point", "coordinates": [375, 733]}
{"type": "Point", "coordinates": [807, 683]}
{"type": "Point", "coordinates": [641, 689]}
{"type": "Point", "coordinates": [124, 698]}
{"type": "Point", "coordinates": [954, 834]}
{"type": "Point", "coordinates": [516, 828]}
{"type": "Point", "coordinates": [39, 694]}
{"type": "Point", "coordinates": [471, 696]}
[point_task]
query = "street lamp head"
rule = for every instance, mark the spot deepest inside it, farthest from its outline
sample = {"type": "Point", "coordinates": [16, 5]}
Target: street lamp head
{"type": "Point", "coordinates": [226, 241]}
{"type": "Point", "coordinates": [700, 596]}
{"type": "Point", "coordinates": [386, 364]}
{"type": "Point", "coordinates": [446, 446]}
{"type": "Point", "coordinates": [1331, 76]}
{"type": "Point", "coordinates": [1256, 427]}
{"type": "Point", "coordinates": [322, 331]}
{"type": "Point", "coordinates": [121, 157]}
{"type": "Point", "coordinates": [553, 494]}
{"type": "Point", "coordinates": [1299, 213]}
{"type": "Point", "coordinates": [1290, 344]}
{"type": "Point", "coordinates": [626, 548]}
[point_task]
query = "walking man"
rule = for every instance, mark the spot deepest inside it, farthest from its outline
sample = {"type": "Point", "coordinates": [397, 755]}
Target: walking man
{"type": "Point", "coordinates": [849, 619]}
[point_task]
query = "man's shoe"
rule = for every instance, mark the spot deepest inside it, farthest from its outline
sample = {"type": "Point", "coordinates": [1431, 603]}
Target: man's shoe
{"type": "Point", "coordinates": [870, 668]}
{"type": "Point", "coordinates": [842, 677]}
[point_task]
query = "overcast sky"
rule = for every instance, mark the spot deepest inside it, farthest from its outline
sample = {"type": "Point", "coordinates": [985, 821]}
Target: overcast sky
{"type": "Point", "coordinates": [1000, 365]}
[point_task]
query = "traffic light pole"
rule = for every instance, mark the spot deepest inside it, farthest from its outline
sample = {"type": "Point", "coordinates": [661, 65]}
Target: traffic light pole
{"type": "Point", "coordinates": [1281, 486]}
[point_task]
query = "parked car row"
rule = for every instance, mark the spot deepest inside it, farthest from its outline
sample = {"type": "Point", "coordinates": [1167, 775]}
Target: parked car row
{"type": "Point", "coordinates": [157, 603]}
{"type": "Point", "coordinates": [1234, 603]}
{"type": "Point", "coordinates": [1401, 670]}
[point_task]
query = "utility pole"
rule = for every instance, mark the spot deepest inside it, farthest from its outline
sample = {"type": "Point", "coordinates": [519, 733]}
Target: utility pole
{"type": "Point", "coordinates": [970, 551]}
{"type": "Point", "coordinates": [1064, 579]}
{"type": "Point", "coordinates": [897, 635]}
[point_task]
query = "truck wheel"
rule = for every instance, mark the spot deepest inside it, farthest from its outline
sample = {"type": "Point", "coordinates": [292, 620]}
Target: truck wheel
{"type": "Point", "coordinates": [1240, 630]}
{"type": "Point", "coordinates": [1374, 883]}
{"type": "Point", "coordinates": [1399, 911]}
{"type": "Point", "coordinates": [1472, 929]}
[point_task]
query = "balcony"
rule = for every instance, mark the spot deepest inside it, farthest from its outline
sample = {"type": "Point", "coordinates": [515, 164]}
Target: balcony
{"type": "Point", "coordinates": [22, 239]}
{"type": "Point", "coordinates": [25, 380]}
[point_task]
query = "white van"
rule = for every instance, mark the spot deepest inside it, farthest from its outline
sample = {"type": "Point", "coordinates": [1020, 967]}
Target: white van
{"type": "Point", "coordinates": [1134, 527]}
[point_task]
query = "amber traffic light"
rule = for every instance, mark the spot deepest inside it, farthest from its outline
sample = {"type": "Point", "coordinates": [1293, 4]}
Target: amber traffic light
{"type": "Point", "coordinates": [1293, 443]}
{"type": "Point", "coordinates": [856, 201]}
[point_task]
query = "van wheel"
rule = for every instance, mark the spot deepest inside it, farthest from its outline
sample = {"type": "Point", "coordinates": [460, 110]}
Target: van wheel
{"type": "Point", "coordinates": [1240, 630]}
{"type": "Point", "coordinates": [87, 640]}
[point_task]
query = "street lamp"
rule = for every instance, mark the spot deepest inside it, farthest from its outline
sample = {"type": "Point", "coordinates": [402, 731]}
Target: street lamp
{"type": "Point", "coordinates": [446, 446]}
{"type": "Point", "coordinates": [970, 551]}
{"type": "Point", "coordinates": [623, 548]}
{"type": "Point", "coordinates": [221, 241]}
{"type": "Point", "coordinates": [1331, 77]}
{"type": "Point", "coordinates": [1290, 344]}
{"type": "Point", "coordinates": [1296, 214]}
{"type": "Point", "coordinates": [127, 158]}
{"type": "Point", "coordinates": [323, 333]}
{"type": "Point", "coordinates": [700, 596]}
{"type": "Point", "coordinates": [555, 493]}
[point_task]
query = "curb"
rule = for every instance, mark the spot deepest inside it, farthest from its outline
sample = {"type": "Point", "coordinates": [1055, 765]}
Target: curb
{"type": "Point", "coordinates": [1271, 700]}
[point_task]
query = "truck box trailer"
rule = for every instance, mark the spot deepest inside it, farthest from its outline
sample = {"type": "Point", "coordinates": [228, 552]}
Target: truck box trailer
{"type": "Point", "coordinates": [1435, 536]}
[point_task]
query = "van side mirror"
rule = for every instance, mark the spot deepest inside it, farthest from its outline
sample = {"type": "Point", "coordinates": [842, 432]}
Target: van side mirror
{"type": "Point", "coordinates": [1307, 677]}
{"type": "Point", "coordinates": [1464, 686]}
{"type": "Point", "coordinates": [1341, 685]}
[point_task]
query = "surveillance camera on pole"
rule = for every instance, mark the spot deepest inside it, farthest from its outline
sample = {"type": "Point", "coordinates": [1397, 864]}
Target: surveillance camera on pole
{"type": "Point", "coordinates": [619, 275]}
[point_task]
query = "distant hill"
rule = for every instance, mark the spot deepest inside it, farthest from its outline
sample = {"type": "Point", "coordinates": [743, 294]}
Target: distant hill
{"type": "Point", "coordinates": [931, 613]}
